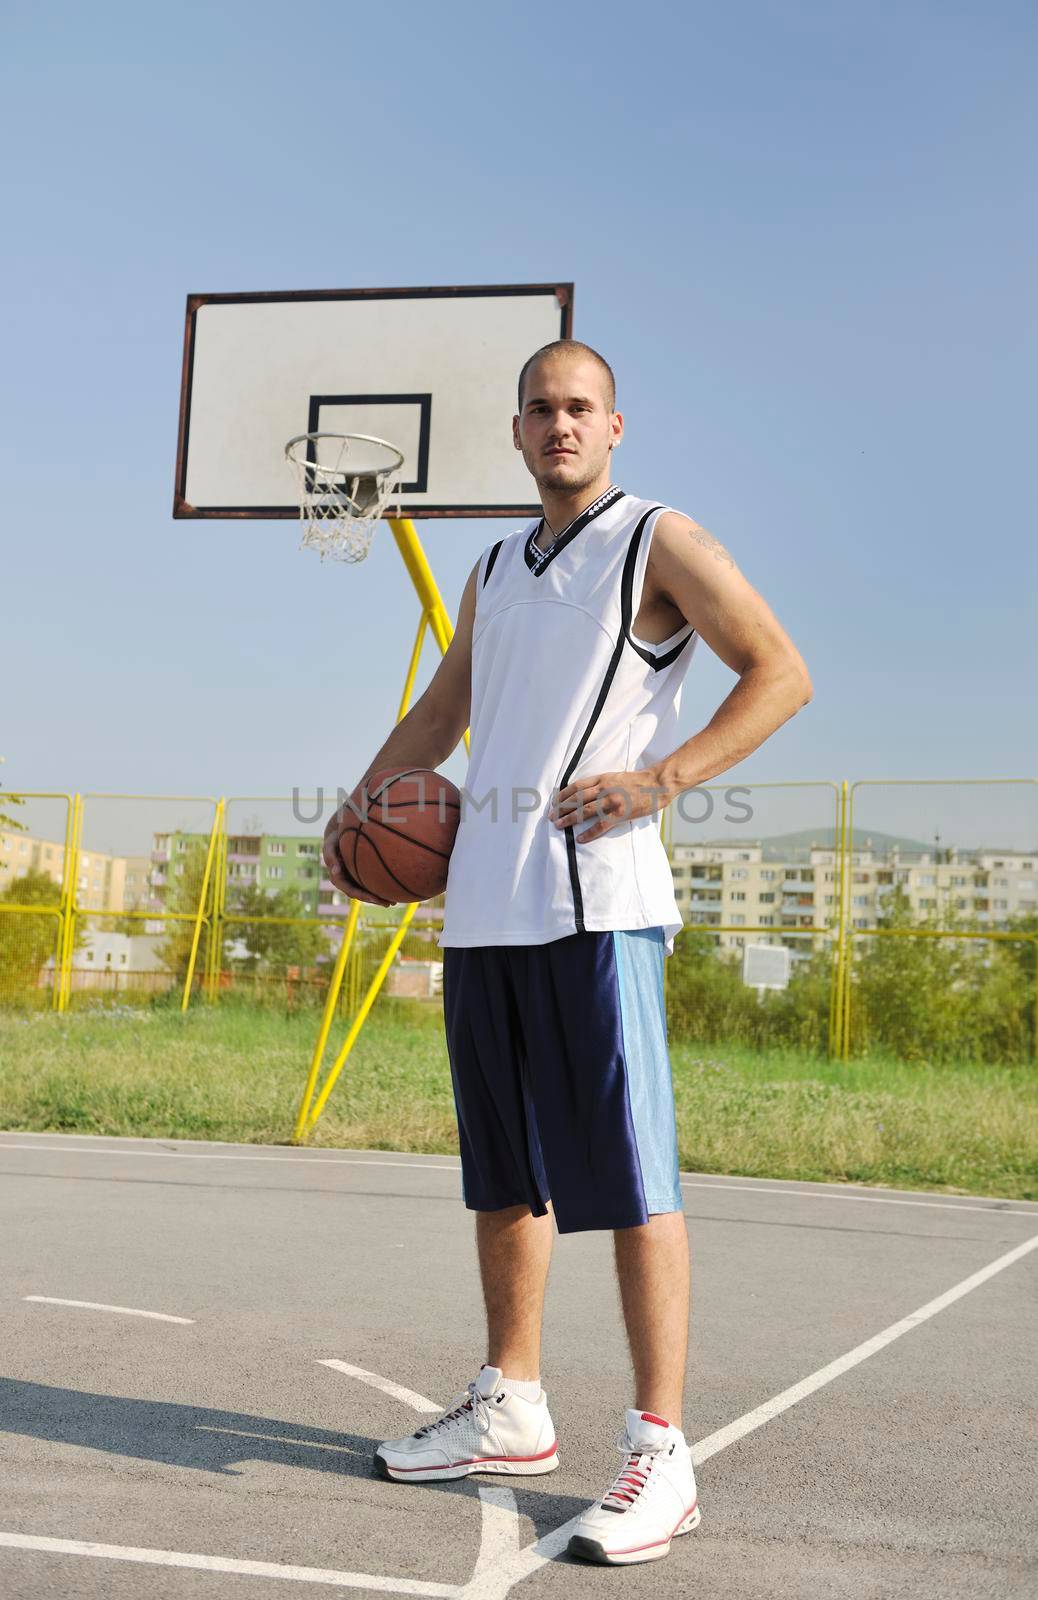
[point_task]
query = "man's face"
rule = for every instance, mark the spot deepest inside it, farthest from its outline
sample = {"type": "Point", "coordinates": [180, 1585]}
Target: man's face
{"type": "Point", "coordinates": [566, 429]}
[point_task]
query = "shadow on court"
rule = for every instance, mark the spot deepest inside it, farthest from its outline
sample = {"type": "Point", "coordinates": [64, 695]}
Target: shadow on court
{"type": "Point", "coordinates": [221, 1442]}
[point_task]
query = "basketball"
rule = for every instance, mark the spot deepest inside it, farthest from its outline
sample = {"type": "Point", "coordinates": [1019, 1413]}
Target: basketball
{"type": "Point", "coordinates": [396, 842]}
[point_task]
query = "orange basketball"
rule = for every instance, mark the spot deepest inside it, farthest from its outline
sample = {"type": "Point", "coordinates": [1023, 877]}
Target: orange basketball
{"type": "Point", "coordinates": [397, 837]}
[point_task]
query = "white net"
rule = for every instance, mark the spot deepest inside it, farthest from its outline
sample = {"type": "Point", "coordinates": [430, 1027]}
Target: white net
{"type": "Point", "coordinates": [345, 484]}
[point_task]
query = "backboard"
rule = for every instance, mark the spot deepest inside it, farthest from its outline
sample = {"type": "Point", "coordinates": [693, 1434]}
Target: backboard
{"type": "Point", "coordinates": [432, 370]}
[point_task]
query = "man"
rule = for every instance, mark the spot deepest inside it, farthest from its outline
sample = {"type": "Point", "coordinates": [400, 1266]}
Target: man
{"type": "Point", "coordinates": [574, 635]}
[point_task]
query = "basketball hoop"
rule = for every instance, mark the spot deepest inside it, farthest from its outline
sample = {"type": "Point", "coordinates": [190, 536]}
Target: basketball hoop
{"type": "Point", "coordinates": [345, 482]}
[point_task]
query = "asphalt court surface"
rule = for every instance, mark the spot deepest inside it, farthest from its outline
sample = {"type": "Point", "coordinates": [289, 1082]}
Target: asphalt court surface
{"type": "Point", "coordinates": [861, 1391]}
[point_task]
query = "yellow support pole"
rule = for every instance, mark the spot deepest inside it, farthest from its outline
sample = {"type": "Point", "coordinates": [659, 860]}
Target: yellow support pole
{"type": "Point", "coordinates": [331, 999]}
{"type": "Point", "coordinates": [434, 616]}
{"type": "Point", "coordinates": [848, 931]}
{"type": "Point", "coordinates": [68, 944]}
{"type": "Point", "coordinates": [358, 1021]}
{"type": "Point", "coordinates": [836, 987]}
{"type": "Point", "coordinates": [219, 910]}
{"type": "Point", "coordinates": [203, 896]}
{"type": "Point", "coordinates": [66, 892]}
{"type": "Point", "coordinates": [420, 573]}
{"type": "Point", "coordinates": [412, 670]}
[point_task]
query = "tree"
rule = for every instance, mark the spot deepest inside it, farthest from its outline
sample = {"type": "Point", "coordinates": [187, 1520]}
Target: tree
{"type": "Point", "coordinates": [6, 820]}
{"type": "Point", "coordinates": [183, 894]}
{"type": "Point", "coordinates": [942, 998]}
{"type": "Point", "coordinates": [273, 946]}
{"type": "Point", "coordinates": [27, 939]}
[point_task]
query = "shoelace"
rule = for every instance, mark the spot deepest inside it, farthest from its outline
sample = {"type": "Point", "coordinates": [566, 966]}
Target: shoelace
{"type": "Point", "coordinates": [632, 1478]}
{"type": "Point", "coordinates": [473, 1402]}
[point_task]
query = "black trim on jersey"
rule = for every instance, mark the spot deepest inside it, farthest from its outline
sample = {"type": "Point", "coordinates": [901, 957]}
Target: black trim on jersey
{"type": "Point", "coordinates": [627, 605]}
{"type": "Point", "coordinates": [490, 562]}
{"type": "Point", "coordinates": [659, 662]}
{"type": "Point", "coordinates": [537, 560]}
{"type": "Point", "coordinates": [626, 591]}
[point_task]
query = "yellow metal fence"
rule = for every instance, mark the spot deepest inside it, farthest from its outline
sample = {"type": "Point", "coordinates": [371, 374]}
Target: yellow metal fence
{"type": "Point", "coordinates": [40, 937]}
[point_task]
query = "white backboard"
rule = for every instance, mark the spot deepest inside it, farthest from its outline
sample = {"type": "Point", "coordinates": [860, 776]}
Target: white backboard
{"type": "Point", "coordinates": [432, 370]}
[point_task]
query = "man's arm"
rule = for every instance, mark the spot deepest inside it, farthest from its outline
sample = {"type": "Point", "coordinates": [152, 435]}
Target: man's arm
{"type": "Point", "coordinates": [697, 574]}
{"type": "Point", "coordinates": [694, 571]}
{"type": "Point", "coordinates": [429, 732]}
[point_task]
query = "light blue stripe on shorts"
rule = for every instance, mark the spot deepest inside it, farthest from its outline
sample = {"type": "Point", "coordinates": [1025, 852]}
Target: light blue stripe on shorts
{"type": "Point", "coordinates": [639, 955]}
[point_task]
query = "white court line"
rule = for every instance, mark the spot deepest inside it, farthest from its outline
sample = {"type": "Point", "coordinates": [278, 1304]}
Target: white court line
{"type": "Point", "coordinates": [95, 1305]}
{"type": "Point", "coordinates": [495, 1584]}
{"type": "Point", "coordinates": [408, 1396]}
{"type": "Point", "coordinates": [499, 1530]}
{"type": "Point", "coordinates": [318, 1159]}
{"type": "Point", "coordinates": [247, 1569]}
{"type": "Point", "coordinates": [798, 1391]}
{"type": "Point", "coordinates": [214, 1155]}
{"type": "Point", "coordinates": [992, 1208]}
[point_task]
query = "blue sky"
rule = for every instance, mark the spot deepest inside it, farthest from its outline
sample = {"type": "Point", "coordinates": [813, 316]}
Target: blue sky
{"type": "Point", "coordinates": [803, 233]}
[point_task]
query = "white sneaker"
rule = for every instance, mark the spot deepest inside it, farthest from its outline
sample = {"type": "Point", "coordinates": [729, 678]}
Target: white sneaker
{"type": "Point", "coordinates": [486, 1429]}
{"type": "Point", "coordinates": [651, 1501]}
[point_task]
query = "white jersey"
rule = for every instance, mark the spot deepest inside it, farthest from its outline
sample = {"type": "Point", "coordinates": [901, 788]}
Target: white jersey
{"type": "Point", "coordinates": [562, 688]}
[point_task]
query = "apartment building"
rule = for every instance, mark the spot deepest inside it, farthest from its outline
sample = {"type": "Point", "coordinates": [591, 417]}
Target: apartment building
{"type": "Point", "coordinates": [105, 882]}
{"type": "Point", "coordinates": [786, 893]}
{"type": "Point", "coordinates": [266, 861]}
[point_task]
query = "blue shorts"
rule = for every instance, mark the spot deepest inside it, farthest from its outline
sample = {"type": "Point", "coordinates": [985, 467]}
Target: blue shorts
{"type": "Point", "coordinates": [561, 1077]}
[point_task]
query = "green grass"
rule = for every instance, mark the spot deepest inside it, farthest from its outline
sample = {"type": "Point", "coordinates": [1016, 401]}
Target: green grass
{"type": "Point", "coordinates": [236, 1073]}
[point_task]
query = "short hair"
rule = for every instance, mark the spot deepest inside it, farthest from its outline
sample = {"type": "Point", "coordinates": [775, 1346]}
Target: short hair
{"type": "Point", "coordinates": [568, 347]}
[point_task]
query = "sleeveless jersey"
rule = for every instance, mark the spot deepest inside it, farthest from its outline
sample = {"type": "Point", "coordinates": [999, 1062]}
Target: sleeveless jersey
{"type": "Point", "coordinates": [562, 687]}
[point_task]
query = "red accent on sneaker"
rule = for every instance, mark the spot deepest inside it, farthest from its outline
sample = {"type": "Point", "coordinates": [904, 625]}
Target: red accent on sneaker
{"type": "Point", "coordinates": [647, 1416]}
{"type": "Point", "coordinates": [471, 1460]}
{"type": "Point", "coordinates": [634, 1548]}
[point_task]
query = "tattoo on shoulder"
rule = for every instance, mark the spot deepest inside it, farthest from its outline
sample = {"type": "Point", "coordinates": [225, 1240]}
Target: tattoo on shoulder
{"type": "Point", "coordinates": [707, 540]}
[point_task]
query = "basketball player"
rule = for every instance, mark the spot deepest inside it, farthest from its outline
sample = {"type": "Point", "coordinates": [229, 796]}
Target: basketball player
{"type": "Point", "coordinates": [574, 635]}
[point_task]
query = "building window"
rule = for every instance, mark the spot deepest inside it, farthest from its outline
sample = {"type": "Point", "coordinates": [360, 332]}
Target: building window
{"type": "Point", "coordinates": [766, 875]}
{"type": "Point", "coordinates": [275, 872]}
{"type": "Point", "coordinates": [738, 919]}
{"type": "Point", "coordinates": [275, 848]}
{"type": "Point", "coordinates": [739, 872]}
{"type": "Point", "coordinates": [738, 894]}
{"type": "Point", "coordinates": [767, 898]}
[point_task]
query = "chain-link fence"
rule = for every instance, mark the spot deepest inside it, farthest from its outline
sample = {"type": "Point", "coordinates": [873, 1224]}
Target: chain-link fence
{"type": "Point", "coordinates": [893, 915]}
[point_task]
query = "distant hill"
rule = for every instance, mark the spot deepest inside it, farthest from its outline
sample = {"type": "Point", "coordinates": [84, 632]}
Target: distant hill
{"type": "Point", "coordinates": [798, 846]}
